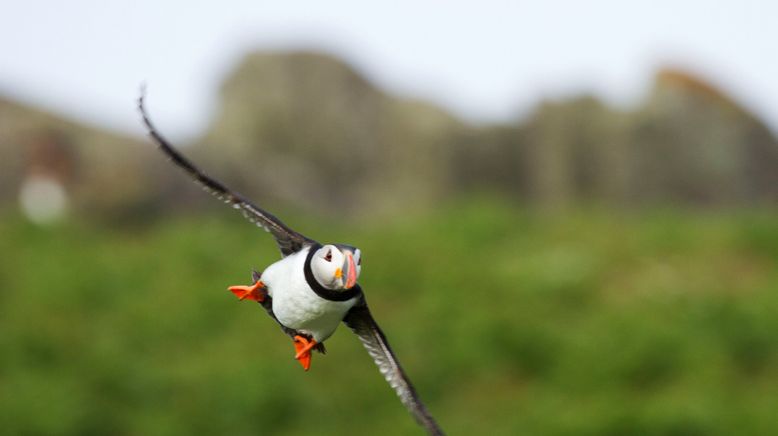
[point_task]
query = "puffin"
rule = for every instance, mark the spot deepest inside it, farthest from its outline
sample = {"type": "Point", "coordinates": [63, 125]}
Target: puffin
{"type": "Point", "coordinates": [311, 289]}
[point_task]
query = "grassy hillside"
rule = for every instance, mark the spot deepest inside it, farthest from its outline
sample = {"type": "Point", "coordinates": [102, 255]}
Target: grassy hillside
{"type": "Point", "coordinates": [590, 324]}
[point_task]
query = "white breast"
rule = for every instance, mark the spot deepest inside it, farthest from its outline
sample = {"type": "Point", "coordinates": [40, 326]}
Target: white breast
{"type": "Point", "coordinates": [296, 305]}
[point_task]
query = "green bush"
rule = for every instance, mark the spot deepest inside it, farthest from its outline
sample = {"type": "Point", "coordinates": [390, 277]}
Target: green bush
{"type": "Point", "coordinates": [508, 323]}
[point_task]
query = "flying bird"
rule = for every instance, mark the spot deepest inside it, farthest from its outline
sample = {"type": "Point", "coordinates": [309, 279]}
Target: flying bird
{"type": "Point", "coordinates": [311, 290]}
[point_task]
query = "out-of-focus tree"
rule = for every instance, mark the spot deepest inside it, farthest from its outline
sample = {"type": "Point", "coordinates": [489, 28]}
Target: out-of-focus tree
{"type": "Point", "coordinates": [308, 130]}
{"type": "Point", "coordinates": [693, 144]}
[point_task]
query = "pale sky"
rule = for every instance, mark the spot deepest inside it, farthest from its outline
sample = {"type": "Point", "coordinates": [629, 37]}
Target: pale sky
{"type": "Point", "coordinates": [485, 60]}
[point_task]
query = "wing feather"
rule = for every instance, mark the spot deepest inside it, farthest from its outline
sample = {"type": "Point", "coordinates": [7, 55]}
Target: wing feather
{"type": "Point", "coordinates": [288, 240]}
{"type": "Point", "coordinates": [361, 321]}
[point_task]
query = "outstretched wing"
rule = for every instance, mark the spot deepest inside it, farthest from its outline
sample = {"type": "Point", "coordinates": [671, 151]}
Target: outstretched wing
{"type": "Point", "coordinates": [288, 240]}
{"type": "Point", "coordinates": [362, 323]}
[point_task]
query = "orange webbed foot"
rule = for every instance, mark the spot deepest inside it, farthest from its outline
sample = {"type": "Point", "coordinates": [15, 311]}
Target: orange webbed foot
{"type": "Point", "coordinates": [255, 292]}
{"type": "Point", "coordinates": [303, 346]}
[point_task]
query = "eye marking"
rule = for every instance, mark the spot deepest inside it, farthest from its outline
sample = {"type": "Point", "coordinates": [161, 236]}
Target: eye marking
{"type": "Point", "coordinates": [328, 257]}
{"type": "Point", "coordinates": [359, 262]}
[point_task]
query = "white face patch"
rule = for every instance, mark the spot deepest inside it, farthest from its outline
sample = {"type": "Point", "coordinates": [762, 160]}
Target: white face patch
{"type": "Point", "coordinates": [358, 260]}
{"type": "Point", "coordinates": [325, 263]}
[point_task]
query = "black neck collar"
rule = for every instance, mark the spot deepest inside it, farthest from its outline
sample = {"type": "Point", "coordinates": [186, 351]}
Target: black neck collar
{"type": "Point", "coordinates": [321, 291]}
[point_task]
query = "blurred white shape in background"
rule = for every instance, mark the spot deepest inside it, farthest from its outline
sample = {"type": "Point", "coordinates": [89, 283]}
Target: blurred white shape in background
{"type": "Point", "coordinates": [43, 199]}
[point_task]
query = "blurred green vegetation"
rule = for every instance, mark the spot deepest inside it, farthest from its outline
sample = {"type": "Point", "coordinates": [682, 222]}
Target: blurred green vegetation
{"type": "Point", "coordinates": [509, 322]}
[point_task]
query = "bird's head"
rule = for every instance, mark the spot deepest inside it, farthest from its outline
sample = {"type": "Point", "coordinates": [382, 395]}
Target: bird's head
{"type": "Point", "coordinates": [336, 266]}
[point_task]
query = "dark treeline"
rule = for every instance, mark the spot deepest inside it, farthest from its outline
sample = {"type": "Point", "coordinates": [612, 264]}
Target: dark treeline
{"type": "Point", "coordinates": [309, 131]}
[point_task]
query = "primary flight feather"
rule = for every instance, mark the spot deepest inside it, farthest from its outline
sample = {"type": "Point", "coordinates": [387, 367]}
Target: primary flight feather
{"type": "Point", "coordinates": [311, 289]}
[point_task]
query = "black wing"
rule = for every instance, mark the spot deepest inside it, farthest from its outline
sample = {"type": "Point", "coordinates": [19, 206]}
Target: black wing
{"type": "Point", "coordinates": [362, 323]}
{"type": "Point", "coordinates": [288, 240]}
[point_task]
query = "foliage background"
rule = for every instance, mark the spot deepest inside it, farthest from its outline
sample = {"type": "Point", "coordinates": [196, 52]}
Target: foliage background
{"type": "Point", "coordinates": [509, 323]}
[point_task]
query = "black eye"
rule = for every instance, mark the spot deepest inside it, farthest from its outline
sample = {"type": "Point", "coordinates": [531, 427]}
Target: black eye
{"type": "Point", "coordinates": [328, 257]}
{"type": "Point", "coordinates": [359, 262]}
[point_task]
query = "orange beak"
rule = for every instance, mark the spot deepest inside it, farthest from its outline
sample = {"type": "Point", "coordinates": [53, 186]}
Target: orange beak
{"type": "Point", "coordinates": [351, 277]}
